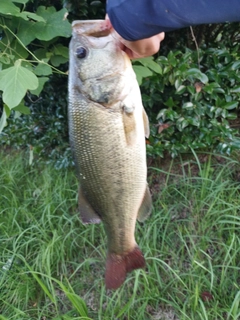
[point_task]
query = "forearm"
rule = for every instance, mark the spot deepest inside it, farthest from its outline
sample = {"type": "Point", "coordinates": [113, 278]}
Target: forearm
{"type": "Point", "coordinates": [140, 19]}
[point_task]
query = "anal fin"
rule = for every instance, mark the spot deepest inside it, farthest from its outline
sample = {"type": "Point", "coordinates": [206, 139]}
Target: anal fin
{"type": "Point", "coordinates": [146, 206]}
{"type": "Point", "coordinates": [87, 214]}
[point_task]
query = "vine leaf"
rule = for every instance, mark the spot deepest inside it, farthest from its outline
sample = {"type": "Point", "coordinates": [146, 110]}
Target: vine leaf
{"type": "Point", "coordinates": [30, 15]}
{"type": "Point", "coordinates": [42, 81]}
{"type": "Point", "coordinates": [26, 32]}
{"type": "Point", "coordinates": [14, 82]}
{"type": "Point", "coordinates": [196, 73]}
{"type": "Point", "coordinates": [55, 24]}
{"type": "Point", "coordinates": [141, 72]}
{"type": "Point", "coordinates": [7, 7]}
{"type": "Point", "coordinates": [150, 63]}
{"type": "Point", "coordinates": [22, 109]}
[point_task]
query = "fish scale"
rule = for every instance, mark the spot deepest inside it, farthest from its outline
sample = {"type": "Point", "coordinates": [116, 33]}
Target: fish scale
{"type": "Point", "coordinates": [107, 133]}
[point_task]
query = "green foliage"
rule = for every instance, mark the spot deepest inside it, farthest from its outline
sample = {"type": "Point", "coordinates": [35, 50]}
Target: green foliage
{"type": "Point", "coordinates": [191, 97]}
{"type": "Point", "coordinates": [14, 82]}
{"type": "Point", "coordinates": [44, 131]}
{"type": "Point", "coordinates": [29, 50]}
{"type": "Point", "coordinates": [194, 99]}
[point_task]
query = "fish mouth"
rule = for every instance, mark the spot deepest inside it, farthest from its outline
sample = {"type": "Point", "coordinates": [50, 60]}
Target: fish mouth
{"type": "Point", "coordinates": [94, 28]}
{"type": "Point", "coordinates": [97, 29]}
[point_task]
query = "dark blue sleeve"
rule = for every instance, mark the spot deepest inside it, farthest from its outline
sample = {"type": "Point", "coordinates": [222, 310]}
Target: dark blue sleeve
{"type": "Point", "coordinates": [139, 19]}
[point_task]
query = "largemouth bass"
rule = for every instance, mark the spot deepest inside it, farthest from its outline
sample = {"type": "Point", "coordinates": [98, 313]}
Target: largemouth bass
{"type": "Point", "coordinates": [107, 127]}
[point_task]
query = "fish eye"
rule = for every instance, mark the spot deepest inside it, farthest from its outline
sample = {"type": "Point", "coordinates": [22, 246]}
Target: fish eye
{"type": "Point", "coordinates": [81, 52]}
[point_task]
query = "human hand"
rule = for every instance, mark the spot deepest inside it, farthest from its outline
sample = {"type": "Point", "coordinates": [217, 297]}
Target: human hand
{"type": "Point", "coordinates": [140, 48]}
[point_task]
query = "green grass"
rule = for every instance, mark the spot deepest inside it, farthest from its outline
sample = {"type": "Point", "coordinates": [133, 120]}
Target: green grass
{"type": "Point", "coordinates": [52, 267]}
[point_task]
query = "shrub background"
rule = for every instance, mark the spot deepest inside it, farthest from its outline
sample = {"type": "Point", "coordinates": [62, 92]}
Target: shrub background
{"type": "Point", "coordinates": [190, 89]}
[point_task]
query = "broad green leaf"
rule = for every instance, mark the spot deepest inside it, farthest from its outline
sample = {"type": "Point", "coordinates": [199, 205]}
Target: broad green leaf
{"type": "Point", "coordinates": [7, 110]}
{"type": "Point", "coordinates": [57, 60]}
{"type": "Point", "coordinates": [230, 105]}
{"type": "Point", "coordinates": [218, 90]}
{"type": "Point", "coordinates": [171, 114]}
{"type": "Point", "coordinates": [181, 89]}
{"type": "Point", "coordinates": [56, 25]}
{"type": "Point", "coordinates": [41, 82]}
{"type": "Point", "coordinates": [43, 69]}
{"type": "Point", "coordinates": [27, 64]}
{"type": "Point", "coordinates": [181, 123]}
{"type": "Point", "coordinates": [167, 69]}
{"type": "Point", "coordinates": [19, 51]}
{"type": "Point", "coordinates": [218, 112]}
{"type": "Point", "coordinates": [172, 59]}
{"type": "Point", "coordinates": [30, 15]}
{"type": "Point", "coordinates": [188, 105]}
{"type": "Point", "coordinates": [191, 89]}
{"type": "Point", "coordinates": [235, 65]}
{"type": "Point", "coordinates": [162, 59]}
{"type": "Point", "coordinates": [6, 59]}
{"type": "Point", "coordinates": [196, 73]}
{"type": "Point", "coordinates": [22, 109]}
{"type": "Point", "coordinates": [236, 90]}
{"type": "Point", "coordinates": [141, 72]}
{"type": "Point", "coordinates": [14, 82]}
{"type": "Point", "coordinates": [42, 54]}
{"type": "Point", "coordinates": [61, 50]}
{"type": "Point", "coordinates": [25, 30]}
{"type": "Point", "coordinates": [177, 83]}
{"type": "Point", "coordinates": [169, 103]}
{"type": "Point", "coordinates": [194, 121]}
{"type": "Point", "coordinates": [162, 114]}
{"type": "Point", "coordinates": [236, 143]}
{"type": "Point", "coordinates": [231, 116]}
{"type": "Point", "coordinates": [151, 64]}
{"type": "Point", "coordinates": [7, 7]}
{"type": "Point", "coordinates": [210, 87]}
{"type": "Point", "coordinates": [11, 47]}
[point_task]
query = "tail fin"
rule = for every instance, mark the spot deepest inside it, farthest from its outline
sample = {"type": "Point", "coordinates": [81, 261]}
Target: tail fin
{"type": "Point", "coordinates": [118, 266]}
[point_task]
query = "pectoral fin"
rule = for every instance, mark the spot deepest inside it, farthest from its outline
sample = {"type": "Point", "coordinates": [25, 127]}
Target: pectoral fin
{"type": "Point", "coordinates": [87, 214]}
{"type": "Point", "coordinates": [146, 206]}
{"type": "Point", "coordinates": [146, 124]}
{"type": "Point", "coordinates": [129, 127]}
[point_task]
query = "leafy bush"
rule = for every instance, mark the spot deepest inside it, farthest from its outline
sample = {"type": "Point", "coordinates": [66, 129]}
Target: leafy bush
{"type": "Point", "coordinates": [191, 96]}
{"type": "Point", "coordinates": [193, 108]}
{"type": "Point", "coordinates": [30, 51]}
{"type": "Point", "coordinates": [33, 64]}
{"type": "Point", "coordinates": [44, 132]}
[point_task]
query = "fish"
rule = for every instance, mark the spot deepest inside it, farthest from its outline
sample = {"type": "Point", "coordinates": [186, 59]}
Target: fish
{"type": "Point", "coordinates": [107, 130]}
